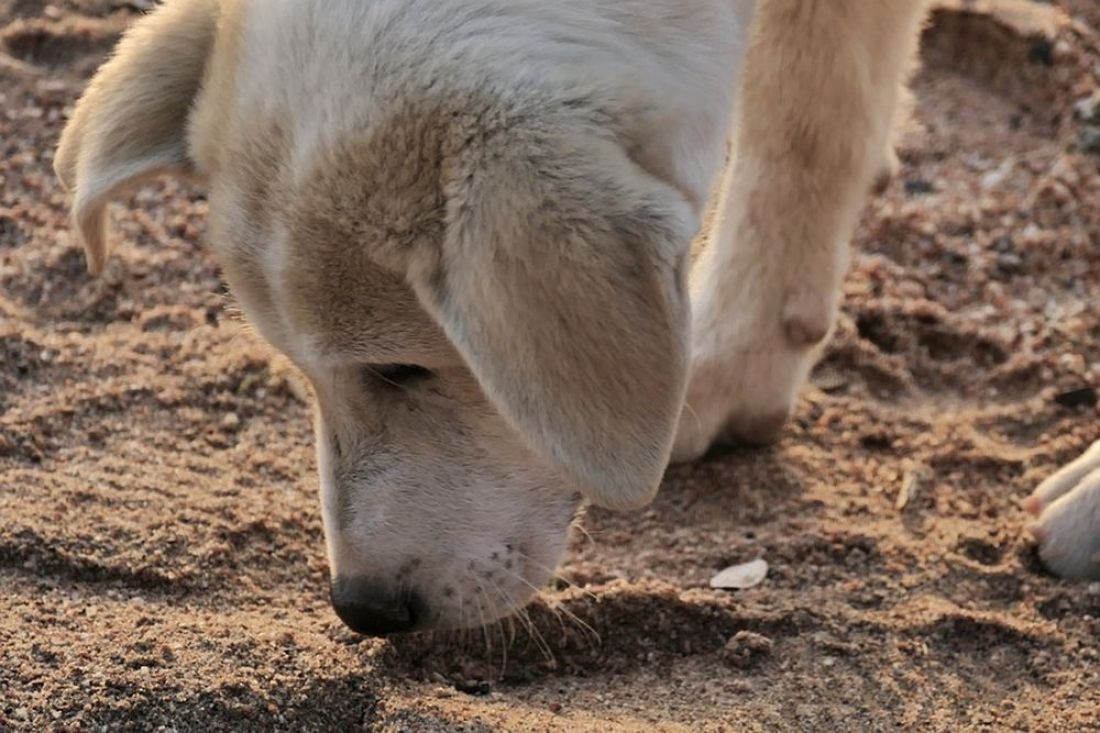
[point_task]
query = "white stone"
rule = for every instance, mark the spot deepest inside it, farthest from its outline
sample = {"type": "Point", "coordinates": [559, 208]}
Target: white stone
{"type": "Point", "coordinates": [740, 577]}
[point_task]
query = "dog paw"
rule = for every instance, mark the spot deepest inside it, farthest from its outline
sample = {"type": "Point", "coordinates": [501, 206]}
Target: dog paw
{"type": "Point", "coordinates": [703, 425]}
{"type": "Point", "coordinates": [1067, 525]}
{"type": "Point", "coordinates": [745, 376]}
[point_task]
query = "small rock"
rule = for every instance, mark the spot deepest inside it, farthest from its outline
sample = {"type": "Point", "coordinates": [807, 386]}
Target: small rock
{"type": "Point", "coordinates": [746, 647]}
{"type": "Point", "coordinates": [915, 477]}
{"type": "Point", "coordinates": [1089, 139]}
{"type": "Point", "coordinates": [1081, 397]}
{"type": "Point", "coordinates": [231, 421]}
{"type": "Point", "coordinates": [1087, 109]}
{"type": "Point", "coordinates": [471, 687]}
{"type": "Point", "coordinates": [1010, 263]}
{"type": "Point", "coordinates": [918, 187]}
{"type": "Point", "coordinates": [740, 577]}
{"type": "Point", "coordinates": [1041, 52]}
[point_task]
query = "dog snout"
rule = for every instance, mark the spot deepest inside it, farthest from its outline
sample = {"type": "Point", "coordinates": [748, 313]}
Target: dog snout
{"type": "Point", "coordinates": [371, 608]}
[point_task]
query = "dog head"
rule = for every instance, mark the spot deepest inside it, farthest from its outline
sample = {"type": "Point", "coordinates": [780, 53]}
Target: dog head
{"type": "Point", "coordinates": [485, 290]}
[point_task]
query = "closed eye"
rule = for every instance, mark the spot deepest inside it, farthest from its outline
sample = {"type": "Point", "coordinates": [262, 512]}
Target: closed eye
{"type": "Point", "coordinates": [397, 375]}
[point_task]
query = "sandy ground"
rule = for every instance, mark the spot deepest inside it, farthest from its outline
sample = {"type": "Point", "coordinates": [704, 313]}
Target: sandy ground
{"type": "Point", "coordinates": [161, 559]}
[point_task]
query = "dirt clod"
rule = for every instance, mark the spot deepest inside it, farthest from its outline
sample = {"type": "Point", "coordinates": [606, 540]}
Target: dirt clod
{"type": "Point", "coordinates": [745, 648]}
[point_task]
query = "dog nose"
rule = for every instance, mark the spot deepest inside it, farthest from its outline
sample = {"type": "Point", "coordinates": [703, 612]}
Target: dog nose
{"type": "Point", "coordinates": [372, 609]}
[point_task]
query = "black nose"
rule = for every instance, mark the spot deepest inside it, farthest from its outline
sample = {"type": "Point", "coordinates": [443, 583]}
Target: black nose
{"type": "Point", "coordinates": [372, 609]}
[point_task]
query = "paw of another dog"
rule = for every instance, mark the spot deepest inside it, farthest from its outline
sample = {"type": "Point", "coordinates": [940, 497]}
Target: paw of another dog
{"type": "Point", "coordinates": [1067, 528]}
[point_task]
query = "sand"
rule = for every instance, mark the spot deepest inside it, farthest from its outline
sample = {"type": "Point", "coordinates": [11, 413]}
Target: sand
{"type": "Point", "coordinates": [161, 556]}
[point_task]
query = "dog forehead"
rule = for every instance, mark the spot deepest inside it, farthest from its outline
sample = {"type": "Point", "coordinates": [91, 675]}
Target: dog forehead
{"type": "Point", "coordinates": [302, 259]}
{"type": "Point", "coordinates": [370, 202]}
{"type": "Point", "coordinates": [346, 305]}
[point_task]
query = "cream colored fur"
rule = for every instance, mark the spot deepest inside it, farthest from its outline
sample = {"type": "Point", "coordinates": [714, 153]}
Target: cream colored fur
{"type": "Point", "coordinates": [503, 193]}
{"type": "Point", "coordinates": [820, 98]}
{"type": "Point", "coordinates": [1067, 507]}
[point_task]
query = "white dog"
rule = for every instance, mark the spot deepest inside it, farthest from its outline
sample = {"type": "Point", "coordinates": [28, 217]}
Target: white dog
{"type": "Point", "coordinates": [468, 222]}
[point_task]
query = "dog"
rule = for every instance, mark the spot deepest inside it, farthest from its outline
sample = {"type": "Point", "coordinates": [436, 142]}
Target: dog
{"type": "Point", "coordinates": [469, 223]}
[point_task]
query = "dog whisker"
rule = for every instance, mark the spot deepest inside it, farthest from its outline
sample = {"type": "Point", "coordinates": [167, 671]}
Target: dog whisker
{"type": "Point", "coordinates": [579, 526]}
{"type": "Point", "coordinates": [503, 648]}
{"type": "Point", "coordinates": [504, 643]}
{"type": "Point", "coordinates": [511, 630]}
{"type": "Point", "coordinates": [500, 625]}
{"type": "Point", "coordinates": [484, 627]}
{"type": "Point", "coordinates": [465, 633]}
{"type": "Point", "coordinates": [535, 635]}
{"type": "Point", "coordinates": [555, 575]}
{"type": "Point", "coordinates": [583, 625]}
{"type": "Point", "coordinates": [562, 612]}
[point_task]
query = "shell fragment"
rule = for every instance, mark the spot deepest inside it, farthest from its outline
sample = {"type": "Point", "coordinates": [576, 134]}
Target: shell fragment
{"type": "Point", "coordinates": [740, 577]}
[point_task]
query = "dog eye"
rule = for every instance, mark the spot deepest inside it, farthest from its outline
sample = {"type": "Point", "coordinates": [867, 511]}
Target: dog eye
{"type": "Point", "coordinates": [399, 375]}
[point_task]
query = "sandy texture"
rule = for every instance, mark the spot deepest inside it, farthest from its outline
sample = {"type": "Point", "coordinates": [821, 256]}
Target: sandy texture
{"type": "Point", "coordinates": [161, 559]}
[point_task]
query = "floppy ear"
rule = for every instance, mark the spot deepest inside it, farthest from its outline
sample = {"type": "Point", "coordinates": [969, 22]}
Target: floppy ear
{"type": "Point", "coordinates": [561, 282]}
{"type": "Point", "coordinates": [131, 122]}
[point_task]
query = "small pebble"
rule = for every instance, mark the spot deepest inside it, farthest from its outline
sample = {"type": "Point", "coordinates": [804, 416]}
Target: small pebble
{"type": "Point", "coordinates": [740, 577]}
{"type": "Point", "coordinates": [1089, 139]}
{"type": "Point", "coordinates": [1010, 263]}
{"type": "Point", "coordinates": [472, 687]}
{"type": "Point", "coordinates": [918, 187]}
{"type": "Point", "coordinates": [1081, 397]}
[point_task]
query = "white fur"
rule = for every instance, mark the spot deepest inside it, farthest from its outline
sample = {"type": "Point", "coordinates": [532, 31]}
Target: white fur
{"type": "Point", "coordinates": [1067, 505]}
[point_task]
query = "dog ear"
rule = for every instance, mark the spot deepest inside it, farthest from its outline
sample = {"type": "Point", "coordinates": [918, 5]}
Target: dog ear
{"type": "Point", "coordinates": [561, 281]}
{"type": "Point", "coordinates": [132, 121]}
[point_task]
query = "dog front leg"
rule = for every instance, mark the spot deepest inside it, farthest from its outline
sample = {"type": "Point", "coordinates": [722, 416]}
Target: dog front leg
{"type": "Point", "coordinates": [824, 81]}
